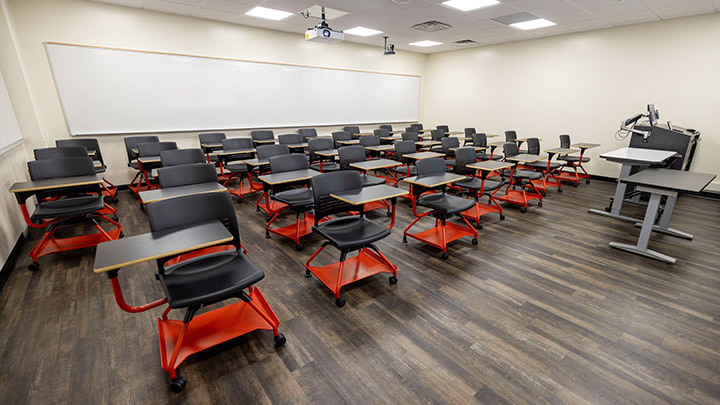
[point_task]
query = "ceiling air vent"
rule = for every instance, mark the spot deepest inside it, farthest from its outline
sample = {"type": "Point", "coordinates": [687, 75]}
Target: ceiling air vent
{"type": "Point", "coordinates": [465, 42]}
{"type": "Point", "coordinates": [431, 26]}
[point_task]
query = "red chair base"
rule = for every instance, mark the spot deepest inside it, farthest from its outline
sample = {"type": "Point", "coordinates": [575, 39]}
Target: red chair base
{"type": "Point", "coordinates": [521, 198]}
{"type": "Point", "coordinates": [212, 328]}
{"type": "Point", "coordinates": [294, 231]}
{"type": "Point", "coordinates": [367, 263]}
{"type": "Point", "coordinates": [50, 244]}
{"type": "Point", "coordinates": [440, 236]}
{"type": "Point", "coordinates": [480, 209]}
{"type": "Point", "coordinates": [544, 184]}
{"type": "Point", "coordinates": [245, 189]}
{"type": "Point", "coordinates": [571, 177]}
{"type": "Point", "coordinates": [269, 206]}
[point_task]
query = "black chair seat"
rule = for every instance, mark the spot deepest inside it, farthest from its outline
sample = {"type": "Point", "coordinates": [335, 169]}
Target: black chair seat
{"type": "Point", "coordinates": [543, 165]}
{"type": "Point", "coordinates": [297, 198]}
{"type": "Point", "coordinates": [486, 156]}
{"type": "Point", "coordinates": [474, 183]}
{"type": "Point", "coordinates": [526, 175]}
{"type": "Point", "coordinates": [70, 206]}
{"type": "Point", "coordinates": [351, 232]}
{"type": "Point", "coordinates": [404, 170]}
{"type": "Point", "coordinates": [446, 203]}
{"type": "Point", "coordinates": [450, 162]}
{"type": "Point", "coordinates": [237, 167]}
{"type": "Point", "coordinates": [574, 159]}
{"type": "Point", "coordinates": [326, 166]}
{"type": "Point", "coordinates": [209, 279]}
{"type": "Point", "coordinates": [369, 181]}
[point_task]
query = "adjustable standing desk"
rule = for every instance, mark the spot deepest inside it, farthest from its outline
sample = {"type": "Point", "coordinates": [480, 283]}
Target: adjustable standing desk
{"type": "Point", "coordinates": [629, 158]}
{"type": "Point", "coordinates": [158, 194]}
{"type": "Point", "coordinates": [659, 183]}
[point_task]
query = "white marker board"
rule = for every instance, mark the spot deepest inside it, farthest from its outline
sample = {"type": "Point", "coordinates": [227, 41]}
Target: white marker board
{"type": "Point", "coordinates": [111, 91]}
{"type": "Point", "coordinates": [9, 129]}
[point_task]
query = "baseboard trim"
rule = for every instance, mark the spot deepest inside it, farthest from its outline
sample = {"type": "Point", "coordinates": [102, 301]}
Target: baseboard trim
{"type": "Point", "coordinates": [11, 261]}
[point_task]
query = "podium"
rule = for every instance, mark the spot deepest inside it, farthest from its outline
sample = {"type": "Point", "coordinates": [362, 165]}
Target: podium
{"type": "Point", "coordinates": [669, 137]}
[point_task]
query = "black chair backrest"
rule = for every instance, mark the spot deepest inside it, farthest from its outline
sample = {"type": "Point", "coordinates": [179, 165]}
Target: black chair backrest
{"type": "Point", "coordinates": [417, 126]}
{"type": "Point", "coordinates": [340, 136]}
{"type": "Point", "coordinates": [191, 210]}
{"type": "Point", "coordinates": [411, 129]}
{"type": "Point", "coordinates": [318, 144]}
{"type": "Point", "coordinates": [262, 135]}
{"type": "Point", "coordinates": [60, 152]}
{"type": "Point", "coordinates": [464, 157]}
{"type": "Point", "coordinates": [290, 139]}
{"type": "Point", "coordinates": [352, 130]}
{"type": "Point", "coordinates": [369, 140]}
{"type": "Point", "coordinates": [479, 139]}
{"type": "Point", "coordinates": [469, 132]}
{"type": "Point", "coordinates": [61, 167]}
{"type": "Point", "coordinates": [386, 126]}
{"type": "Point", "coordinates": [350, 154]}
{"type": "Point", "coordinates": [288, 163]}
{"type": "Point", "coordinates": [565, 141]}
{"type": "Point", "coordinates": [184, 175]}
{"type": "Point", "coordinates": [132, 142]}
{"type": "Point", "coordinates": [174, 157]}
{"type": "Point", "coordinates": [154, 148]}
{"type": "Point", "coordinates": [430, 167]}
{"type": "Point", "coordinates": [437, 134]}
{"type": "Point", "coordinates": [307, 133]}
{"type": "Point", "coordinates": [329, 183]}
{"type": "Point", "coordinates": [410, 136]}
{"type": "Point", "coordinates": [237, 143]}
{"type": "Point", "coordinates": [381, 133]}
{"type": "Point", "coordinates": [443, 128]}
{"type": "Point", "coordinates": [533, 146]}
{"type": "Point", "coordinates": [449, 142]}
{"type": "Point", "coordinates": [510, 136]}
{"type": "Point", "coordinates": [87, 143]}
{"type": "Point", "coordinates": [510, 149]}
{"type": "Point", "coordinates": [266, 151]}
{"type": "Point", "coordinates": [211, 137]}
{"type": "Point", "coordinates": [403, 148]}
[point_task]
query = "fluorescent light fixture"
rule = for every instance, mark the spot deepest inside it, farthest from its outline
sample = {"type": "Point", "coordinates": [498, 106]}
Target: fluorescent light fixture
{"type": "Point", "coordinates": [469, 5]}
{"type": "Point", "coordinates": [425, 43]}
{"type": "Point", "coordinates": [268, 13]}
{"type": "Point", "coordinates": [533, 24]}
{"type": "Point", "coordinates": [362, 31]}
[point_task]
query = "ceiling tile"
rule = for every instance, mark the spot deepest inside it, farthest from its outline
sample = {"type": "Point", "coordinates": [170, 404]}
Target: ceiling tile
{"type": "Point", "coordinates": [167, 7]}
{"type": "Point", "coordinates": [633, 18]}
{"type": "Point", "coordinates": [213, 15]}
{"type": "Point", "coordinates": [683, 10]}
{"type": "Point", "coordinates": [193, 3]}
{"type": "Point", "coordinates": [127, 3]}
{"type": "Point", "coordinates": [227, 6]}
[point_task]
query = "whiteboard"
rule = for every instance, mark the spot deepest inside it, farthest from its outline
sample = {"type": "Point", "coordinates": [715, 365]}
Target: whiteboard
{"type": "Point", "coordinates": [110, 91]}
{"type": "Point", "coordinates": [9, 129]}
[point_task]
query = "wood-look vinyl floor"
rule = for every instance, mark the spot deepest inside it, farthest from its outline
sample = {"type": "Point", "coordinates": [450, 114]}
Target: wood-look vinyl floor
{"type": "Point", "coordinates": [541, 311]}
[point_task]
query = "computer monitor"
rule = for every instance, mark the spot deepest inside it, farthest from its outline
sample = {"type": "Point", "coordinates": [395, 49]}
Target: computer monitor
{"type": "Point", "coordinates": [653, 114]}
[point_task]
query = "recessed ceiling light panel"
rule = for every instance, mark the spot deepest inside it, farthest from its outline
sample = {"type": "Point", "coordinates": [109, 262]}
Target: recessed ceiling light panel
{"type": "Point", "coordinates": [268, 13]}
{"type": "Point", "coordinates": [469, 5]}
{"type": "Point", "coordinates": [362, 31]}
{"type": "Point", "coordinates": [533, 24]}
{"type": "Point", "coordinates": [425, 43]}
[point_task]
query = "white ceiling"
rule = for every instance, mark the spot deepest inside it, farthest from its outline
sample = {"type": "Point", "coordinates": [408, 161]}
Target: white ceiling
{"type": "Point", "coordinates": [395, 20]}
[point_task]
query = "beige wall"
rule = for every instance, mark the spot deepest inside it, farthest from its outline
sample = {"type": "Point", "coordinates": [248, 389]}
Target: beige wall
{"type": "Point", "coordinates": [585, 85]}
{"type": "Point", "coordinates": [91, 23]}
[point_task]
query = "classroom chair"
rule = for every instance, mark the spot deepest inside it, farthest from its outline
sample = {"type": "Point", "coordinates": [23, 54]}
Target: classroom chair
{"type": "Point", "coordinates": [511, 136]}
{"type": "Point", "coordinates": [476, 187]}
{"type": "Point", "coordinates": [307, 133]}
{"type": "Point", "coordinates": [411, 129]}
{"type": "Point", "coordinates": [268, 206]}
{"type": "Point", "coordinates": [150, 149]}
{"type": "Point", "coordinates": [187, 174]}
{"type": "Point", "coordinates": [290, 139]}
{"type": "Point", "coordinates": [370, 140]}
{"type": "Point", "coordinates": [200, 278]}
{"type": "Point", "coordinates": [480, 139]}
{"type": "Point", "coordinates": [174, 157]}
{"type": "Point", "coordinates": [63, 206]}
{"type": "Point", "coordinates": [235, 167]}
{"type": "Point", "coordinates": [418, 127]}
{"type": "Point", "coordinates": [299, 200]}
{"type": "Point", "coordinates": [574, 163]}
{"type": "Point", "coordinates": [387, 126]}
{"type": "Point", "coordinates": [546, 167]}
{"type": "Point", "coordinates": [469, 132]}
{"type": "Point", "coordinates": [260, 137]}
{"type": "Point", "coordinates": [93, 148]}
{"type": "Point", "coordinates": [131, 144]}
{"type": "Point", "coordinates": [318, 162]}
{"type": "Point", "coordinates": [347, 234]}
{"type": "Point", "coordinates": [356, 153]}
{"type": "Point", "coordinates": [449, 143]}
{"type": "Point", "coordinates": [353, 131]}
{"type": "Point", "coordinates": [210, 138]}
{"type": "Point", "coordinates": [437, 135]}
{"type": "Point", "coordinates": [410, 136]}
{"type": "Point", "coordinates": [444, 128]}
{"type": "Point", "coordinates": [408, 168]}
{"type": "Point", "coordinates": [340, 136]}
{"type": "Point", "coordinates": [381, 133]}
{"type": "Point", "coordinates": [522, 179]}
{"type": "Point", "coordinates": [442, 207]}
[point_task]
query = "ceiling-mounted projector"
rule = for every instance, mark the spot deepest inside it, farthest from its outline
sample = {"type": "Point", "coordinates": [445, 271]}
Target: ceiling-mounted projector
{"type": "Point", "coordinates": [323, 33]}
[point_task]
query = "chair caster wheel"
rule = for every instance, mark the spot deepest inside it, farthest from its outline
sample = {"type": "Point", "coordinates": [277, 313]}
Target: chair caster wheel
{"type": "Point", "coordinates": [404, 239]}
{"type": "Point", "coordinates": [267, 235]}
{"type": "Point", "coordinates": [542, 193]}
{"type": "Point", "coordinates": [340, 302]}
{"type": "Point", "coordinates": [142, 207]}
{"type": "Point", "coordinates": [114, 200]}
{"type": "Point", "coordinates": [267, 219]}
{"type": "Point", "coordinates": [122, 235]}
{"type": "Point", "coordinates": [308, 274]}
{"type": "Point", "coordinates": [239, 200]}
{"type": "Point", "coordinates": [115, 218]}
{"type": "Point", "coordinates": [474, 241]}
{"type": "Point", "coordinates": [539, 203]}
{"type": "Point", "coordinates": [35, 266]}
{"type": "Point", "coordinates": [502, 217]}
{"type": "Point", "coordinates": [177, 384]}
{"type": "Point", "coordinates": [299, 248]}
{"type": "Point", "coordinates": [393, 280]}
{"type": "Point", "coordinates": [445, 256]}
{"type": "Point", "coordinates": [587, 181]}
{"type": "Point", "coordinates": [523, 210]}
{"type": "Point", "coordinates": [280, 340]}
{"type": "Point", "coordinates": [575, 184]}
{"type": "Point", "coordinates": [257, 208]}
{"type": "Point", "coordinates": [389, 214]}
{"type": "Point", "coordinates": [478, 226]}
{"type": "Point", "coordinates": [608, 209]}
{"type": "Point", "coordinates": [559, 190]}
